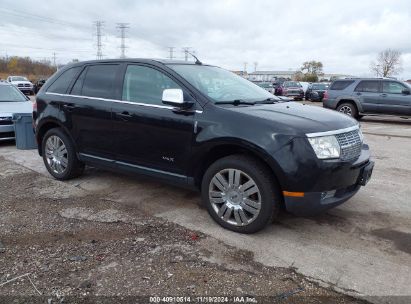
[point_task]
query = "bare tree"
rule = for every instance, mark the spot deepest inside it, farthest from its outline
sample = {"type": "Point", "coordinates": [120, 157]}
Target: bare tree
{"type": "Point", "coordinates": [388, 63]}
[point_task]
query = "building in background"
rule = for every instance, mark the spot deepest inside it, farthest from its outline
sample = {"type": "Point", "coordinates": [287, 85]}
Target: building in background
{"type": "Point", "coordinates": [271, 75]}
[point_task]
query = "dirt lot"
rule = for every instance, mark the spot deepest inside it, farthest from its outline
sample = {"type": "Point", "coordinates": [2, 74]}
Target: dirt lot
{"type": "Point", "coordinates": [73, 243]}
{"type": "Point", "coordinates": [107, 234]}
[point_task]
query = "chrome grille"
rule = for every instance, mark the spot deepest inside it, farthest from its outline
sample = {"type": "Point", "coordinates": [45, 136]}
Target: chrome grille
{"type": "Point", "coordinates": [350, 143]}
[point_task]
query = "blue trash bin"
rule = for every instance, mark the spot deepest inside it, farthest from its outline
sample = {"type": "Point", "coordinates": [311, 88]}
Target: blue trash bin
{"type": "Point", "coordinates": [23, 128]}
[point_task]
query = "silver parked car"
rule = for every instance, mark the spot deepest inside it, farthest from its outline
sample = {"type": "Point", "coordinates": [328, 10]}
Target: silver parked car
{"type": "Point", "coordinates": [11, 101]}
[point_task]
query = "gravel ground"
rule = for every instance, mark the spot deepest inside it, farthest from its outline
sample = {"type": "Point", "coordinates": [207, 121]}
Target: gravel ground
{"type": "Point", "coordinates": [82, 248]}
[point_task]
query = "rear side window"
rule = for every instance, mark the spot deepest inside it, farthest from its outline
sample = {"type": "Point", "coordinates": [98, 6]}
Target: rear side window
{"type": "Point", "coordinates": [341, 84]}
{"type": "Point", "coordinates": [63, 81]}
{"type": "Point", "coordinates": [96, 81]}
{"type": "Point", "coordinates": [145, 85]}
{"type": "Point", "coordinates": [371, 86]}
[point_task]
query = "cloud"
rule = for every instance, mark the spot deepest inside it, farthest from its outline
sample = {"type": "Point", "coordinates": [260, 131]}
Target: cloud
{"type": "Point", "coordinates": [345, 36]}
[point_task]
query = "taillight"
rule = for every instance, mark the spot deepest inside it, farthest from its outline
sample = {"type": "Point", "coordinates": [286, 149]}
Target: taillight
{"type": "Point", "coordinates": [325, 97]}
{"type": "Point", "coordinates": [34, 106]}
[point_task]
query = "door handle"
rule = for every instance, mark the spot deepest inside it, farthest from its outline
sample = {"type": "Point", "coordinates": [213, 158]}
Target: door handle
{"type": "Point", "coordinates": [383, 95]}
{"type": "Point", "coordinates": [69, 107]}
{"type": "Point", "coordinates": [358, 93]}
{"type": "Point", "coordinates": [124, 115]}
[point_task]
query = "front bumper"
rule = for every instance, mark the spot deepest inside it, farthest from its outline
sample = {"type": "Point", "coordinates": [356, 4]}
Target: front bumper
{"type": "Point", "coordinates": [311, 185]}
{"type": "Point", "coordinates": [6, 132]}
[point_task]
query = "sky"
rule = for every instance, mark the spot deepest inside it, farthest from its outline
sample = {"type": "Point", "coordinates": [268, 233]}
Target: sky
{"type": "Point", "coordinates": [279, 35]}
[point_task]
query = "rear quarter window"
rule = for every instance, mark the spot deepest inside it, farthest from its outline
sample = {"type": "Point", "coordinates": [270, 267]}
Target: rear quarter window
{"type": "Point", "coordinates": [61, 84]}
{"type": "Point", "coordinates": [341, 84]}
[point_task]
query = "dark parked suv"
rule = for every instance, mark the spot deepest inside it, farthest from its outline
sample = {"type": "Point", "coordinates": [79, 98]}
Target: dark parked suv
{"type": "Point", "coordinates": [358, 97]}
{"type": "Point", "coordinates": [201, 127]}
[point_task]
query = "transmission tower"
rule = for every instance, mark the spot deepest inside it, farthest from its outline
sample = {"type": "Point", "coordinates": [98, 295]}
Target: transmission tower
{"type": "Point", "coordinates": [123, 27]}
{"type": "Point", "coordinates": [255, 66]}
{"type": "Point", "coordinates": [171, 52]}
{"type": "Point", "coordinates": [54, 59]}
{"type": "Point", "coordinates": [186, 50]}
{"type": "Point", "coordinates": [245, 67]}
{"type": "Point", "coordinates": [99, 33]}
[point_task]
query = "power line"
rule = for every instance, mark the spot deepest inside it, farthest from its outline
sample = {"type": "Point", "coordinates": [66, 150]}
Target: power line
{"type": "Point", "coordinates": [123, 27]}
{"type": "Point", "coordinates": [99, 25]}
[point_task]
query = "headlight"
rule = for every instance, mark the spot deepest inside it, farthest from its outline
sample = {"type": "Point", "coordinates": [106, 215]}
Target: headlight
{"type": "Point", "coordinates": [325, 146]}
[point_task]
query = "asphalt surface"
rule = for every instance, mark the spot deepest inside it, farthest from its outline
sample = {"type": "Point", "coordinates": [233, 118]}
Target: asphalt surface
{"type": "Point", "coordinates": [362, 247]}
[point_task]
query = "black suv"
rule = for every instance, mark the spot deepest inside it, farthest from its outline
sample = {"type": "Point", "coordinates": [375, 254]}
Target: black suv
{"type": "Point", "coordinates": [201, 127]}
{"type": "Point", "coordinates": [369, 96]}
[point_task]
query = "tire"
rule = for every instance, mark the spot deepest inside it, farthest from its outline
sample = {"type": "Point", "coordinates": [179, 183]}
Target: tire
{"type": "Point", "coordinates": [63, 164]}
{"type": "Point", "coordinates": [264, 204]}
{"type": "Point", "coordinates": [348, 109]}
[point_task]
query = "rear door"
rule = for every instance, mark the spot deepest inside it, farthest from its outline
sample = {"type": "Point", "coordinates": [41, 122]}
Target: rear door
{"type": "Point", "coordinates": [87, 110]}
{"type": "Point", "coordinates": [368, 92]}
{"type": "Point", "coordinates": [394, 101]}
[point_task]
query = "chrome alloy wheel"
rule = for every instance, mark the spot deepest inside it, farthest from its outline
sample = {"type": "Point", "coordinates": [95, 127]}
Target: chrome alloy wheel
{"type": "Point", "coordinates": [56, 154]}
{"type": "Point", "coordinates": [235, 197]}
{"type": "Point", "coordinates": [346, 110]}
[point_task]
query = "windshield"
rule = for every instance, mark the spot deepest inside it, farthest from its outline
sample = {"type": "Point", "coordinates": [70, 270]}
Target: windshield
{"type": "Point", "coordinates": [265, 85]}
{"type": "Point", "coordinates": [9, 93]}
{"type": "Point", "coordinates": [221, 85]}
{"type": "Point", "coordinates": [18, 78]}
{"type": "Point", "coordinates": [289, 84]}
{"type": "Point", "coordinates": [320, 86]}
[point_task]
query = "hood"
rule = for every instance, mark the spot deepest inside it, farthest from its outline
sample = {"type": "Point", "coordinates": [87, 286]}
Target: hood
{"type": "Point", "coordinates": [292, 118]}
{"type": "Point", "coordinates": [15, 107]}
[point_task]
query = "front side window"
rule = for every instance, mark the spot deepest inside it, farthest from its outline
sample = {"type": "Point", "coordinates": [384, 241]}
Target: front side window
{"type": "Point", "coordinates": [220, 85]}
{"type": "Point", "coordinates": [392, 87]}
{"type": "Point", "coordinates": [61, 84]}
{"type": "Point", "coordinates": [370, 86]}
{"type": "Point", "coordinates": [98, 81]}
{"type": "Point", "coordinates": [146, 85]}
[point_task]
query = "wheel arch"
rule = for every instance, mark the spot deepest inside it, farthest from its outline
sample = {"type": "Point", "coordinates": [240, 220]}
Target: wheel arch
{"type": "Point", "coordinates": [220, 150]}
{"type": "Point", "coordinates": [351, 100]}
{"type": "Point", "coordinates": [46, 126]}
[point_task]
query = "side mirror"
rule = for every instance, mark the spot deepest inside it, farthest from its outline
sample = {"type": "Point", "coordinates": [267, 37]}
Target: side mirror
{"type": "Point", "coordinates": [175, 97]}
{"type": "Point", "coordinates": [406, 92]}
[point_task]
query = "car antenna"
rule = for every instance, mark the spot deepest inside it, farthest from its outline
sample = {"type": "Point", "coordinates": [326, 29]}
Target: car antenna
{"type": "Point", "coordinates": [195, 57]}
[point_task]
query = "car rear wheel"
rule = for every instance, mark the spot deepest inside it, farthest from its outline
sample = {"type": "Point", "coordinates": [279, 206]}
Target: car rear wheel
{"type": "Point", "coordinates": [348, 109]}
{"type": "Point", "coordinates": [240, 194]}
{"type": "Point", "coordinates": [59, 155]}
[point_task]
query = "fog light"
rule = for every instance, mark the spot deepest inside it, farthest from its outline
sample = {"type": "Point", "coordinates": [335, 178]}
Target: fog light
{"type": "Point", "coordinates": [327, 194]}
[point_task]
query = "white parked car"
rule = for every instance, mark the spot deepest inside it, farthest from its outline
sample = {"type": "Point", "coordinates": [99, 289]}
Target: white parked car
{"type": "Point", "coordinates": [12, 101]}
{"type": "Point", "coordinates": [22, 83]}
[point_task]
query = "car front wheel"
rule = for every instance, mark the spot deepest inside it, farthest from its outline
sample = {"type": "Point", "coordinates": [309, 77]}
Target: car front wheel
{"type": "Point", "coordinates": [59, 155]}
{"type": "Point", "coordinates": [240, 193]}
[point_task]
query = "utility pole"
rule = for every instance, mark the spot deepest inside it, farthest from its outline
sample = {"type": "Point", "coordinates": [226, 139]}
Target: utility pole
{"type": "Point", "coordinates": [123, 27]}
{"type": "Point", "coordinates": [171, 52]}
{"type": "Point", "coordinates": [186, 50]}
{"type": "Point", "coordinates": [99, 32]}
{"type": "Point", "coordinates": [255, 66]}
{"type": "Point", "coordinates": [54, 59]}
{"type": "Point", "coordinates": [245, 68]}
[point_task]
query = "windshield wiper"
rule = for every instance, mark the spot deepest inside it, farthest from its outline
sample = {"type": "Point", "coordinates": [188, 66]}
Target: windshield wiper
{"type": "Point", "coordinates": [236, 102]}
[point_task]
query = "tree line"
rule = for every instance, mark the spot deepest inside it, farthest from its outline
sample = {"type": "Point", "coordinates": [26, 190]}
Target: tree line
{"type": "Point", "coordinates": [25, 66]}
